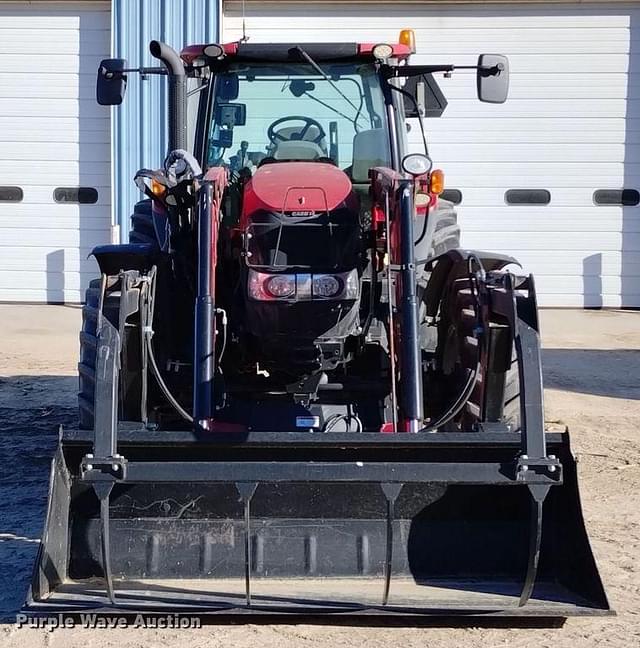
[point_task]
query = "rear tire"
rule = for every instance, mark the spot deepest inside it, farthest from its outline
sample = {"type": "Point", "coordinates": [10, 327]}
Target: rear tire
{"type": "Point", "coordinates": [446, 234]}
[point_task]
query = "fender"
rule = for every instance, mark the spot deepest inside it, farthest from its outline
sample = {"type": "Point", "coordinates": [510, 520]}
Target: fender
{"type": "Point", "coordinates": [126, 256]}
{"type": "Point", "coordinates": [453, 265]}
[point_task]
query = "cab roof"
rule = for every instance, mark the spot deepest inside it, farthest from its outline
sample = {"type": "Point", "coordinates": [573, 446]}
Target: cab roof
{"type": "Point", "coordinates": [288, 51]}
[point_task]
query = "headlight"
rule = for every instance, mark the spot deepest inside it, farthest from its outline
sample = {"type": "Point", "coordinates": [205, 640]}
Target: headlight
{"type": "Point", "coordinates": [264, 286]}
{"type": "Point", "coordinates": [326, 286]}
{"type": "Point", "coordinates": [281, 286]}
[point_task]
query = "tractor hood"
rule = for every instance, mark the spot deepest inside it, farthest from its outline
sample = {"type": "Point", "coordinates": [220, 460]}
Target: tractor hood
{"type": "Point", "coordinates": [298, 188]}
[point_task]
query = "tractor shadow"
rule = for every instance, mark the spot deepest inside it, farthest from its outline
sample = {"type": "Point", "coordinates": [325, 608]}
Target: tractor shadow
{"type": "Point", "coordinates": [599, 372]}
{"type": "Point", "coordinates": [31, 410]}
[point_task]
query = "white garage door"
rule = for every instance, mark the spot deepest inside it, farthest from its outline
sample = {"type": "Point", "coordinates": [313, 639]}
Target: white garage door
{"type": "Point", "coordinates": [54, 148]}
{"type": "Point", "coordinates": [571, 126]}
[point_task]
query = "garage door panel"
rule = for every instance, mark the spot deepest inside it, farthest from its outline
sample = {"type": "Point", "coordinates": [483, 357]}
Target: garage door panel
{"type": "Point", "coordinates": [516, 108]}
{"type": "Point", "coordinates": [548, 153]}
{"type": "Point", "coordinates": [18, 294]}
{"type": "Point", "coordinates": [557, 87]}
{"type": "Point", "coordinates": [580, 263]}
{"type": "Point", "coordinates": [19, 41]}
{"type": "Point", "coordinates": [549, 182]}
{"type": "Point", "coordinates": [530, 169]}
{"type": "Point", "coordinates": [54, 237]}
{"type": "Point", "coordinates": [545, 133]}
{"type": "Point", "coordinates": [534, 219]}
{"type": "Point", "coordinates": [65, 107]}
{"type": "Point", "coordinates": [52, 135]}
{"type": "Point", "coordinates": [50, 63]}
{"type": "Point", "coordinates": [30, 281]}
{"type": "Point", "coordinates": [73, 222]}
{"type": "Point", "coordinates": [596, 241]}
{"type": "Point", "coordinates": [17, 85]}
{"type": "Point", "coordinates": [60, 152]}
{"type": "Point", "coordinates": [275, 16]}
{"type": "Point", "coordinates": [55, 125]}
{"type": "Point", "coordinates": [65, 174]}
{"type": "Point", "coordinates": [59, 15]}
{"type": "Point", "coordinates": [48, 259]}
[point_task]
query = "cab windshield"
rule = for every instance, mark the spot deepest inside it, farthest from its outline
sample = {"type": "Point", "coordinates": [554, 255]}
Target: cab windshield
{"type": "Point", "coordinates": [277, 112]}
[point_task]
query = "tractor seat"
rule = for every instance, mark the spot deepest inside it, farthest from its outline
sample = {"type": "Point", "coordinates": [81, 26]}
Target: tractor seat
{"type": "Point", "coordinates": [298, 150]}
{"type": "Point", "coordinates": [294, 148]}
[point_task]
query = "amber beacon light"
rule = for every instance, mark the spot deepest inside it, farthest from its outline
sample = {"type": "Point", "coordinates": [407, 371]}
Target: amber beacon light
{"type": "Point", "coordinates": [408, 38]}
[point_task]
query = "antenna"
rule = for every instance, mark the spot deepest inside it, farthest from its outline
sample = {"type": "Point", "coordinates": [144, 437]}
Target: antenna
{"type": "Point", "coordinates": [244, 38]}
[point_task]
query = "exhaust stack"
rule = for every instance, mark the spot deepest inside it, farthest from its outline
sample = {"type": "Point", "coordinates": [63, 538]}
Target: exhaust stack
{"type": "Point", "coordinates": [177, 93]}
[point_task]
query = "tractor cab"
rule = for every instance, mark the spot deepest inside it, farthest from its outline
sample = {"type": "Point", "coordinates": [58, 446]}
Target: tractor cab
{"type": "Point", "coordinates": [269, 104]}
{"type": "Point", "coordinates": [265, 113]}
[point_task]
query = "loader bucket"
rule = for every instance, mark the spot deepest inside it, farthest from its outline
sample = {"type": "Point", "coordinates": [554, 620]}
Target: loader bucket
{"type": "Point", "coordinates": [289, 523]}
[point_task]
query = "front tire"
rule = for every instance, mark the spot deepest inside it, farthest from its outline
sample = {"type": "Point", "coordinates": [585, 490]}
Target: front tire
{"type": "Point", "coordinates": [129, 401]}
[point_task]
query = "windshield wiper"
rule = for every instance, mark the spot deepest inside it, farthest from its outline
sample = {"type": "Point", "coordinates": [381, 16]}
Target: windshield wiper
{"type": "Point", "coordinates": [327, 78]}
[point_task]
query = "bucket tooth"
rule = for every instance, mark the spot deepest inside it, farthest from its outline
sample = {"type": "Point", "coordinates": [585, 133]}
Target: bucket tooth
{"type": "Point", "coordinates": [103, 491]}
{"type": "Point", "coordinates": [538, 495]}
{"type": "Point", "coordinates": [246, 491]}
{"type": "Point", "coordinates": [391, 492]}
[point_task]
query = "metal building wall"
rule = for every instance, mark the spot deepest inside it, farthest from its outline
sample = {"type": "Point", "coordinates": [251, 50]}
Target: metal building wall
{"type": "Point", "coordinates": [139, 124]}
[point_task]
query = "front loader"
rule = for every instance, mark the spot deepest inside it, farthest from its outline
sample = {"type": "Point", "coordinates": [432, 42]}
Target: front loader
{"type": "Point", "coordinates": [298, 393]}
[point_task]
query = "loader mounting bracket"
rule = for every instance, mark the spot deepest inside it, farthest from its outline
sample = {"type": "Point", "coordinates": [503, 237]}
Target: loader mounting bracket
{"type": "Point", "coordinates": [97, 469]}
{"type": "Point", "coordinates": [529, 470]}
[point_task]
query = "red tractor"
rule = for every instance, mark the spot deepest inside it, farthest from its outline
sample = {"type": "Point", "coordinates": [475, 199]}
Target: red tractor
{"type": "Point", "coordinates": [298, 393]}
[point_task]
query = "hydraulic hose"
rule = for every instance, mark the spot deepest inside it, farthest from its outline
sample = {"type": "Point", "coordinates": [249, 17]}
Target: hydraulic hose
{"type": "Point", "coordinates": [458, 404]}
{"type": "Point", "coordinates": [147, 332]}
{"type": "Point", "coordinates": [163, 386]}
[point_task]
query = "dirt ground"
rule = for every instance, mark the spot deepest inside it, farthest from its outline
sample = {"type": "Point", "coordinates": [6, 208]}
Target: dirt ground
{"type": "Point", "coordinates": [592, 373]}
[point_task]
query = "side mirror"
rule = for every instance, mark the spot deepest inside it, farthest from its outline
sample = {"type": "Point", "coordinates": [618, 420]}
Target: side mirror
{"type": "Point", "coordinates": [230, 115]}
{"type": "Point", "coordinates": [112, 82]}
{"type": "Point", "coordinates": [228, 87]}
{"type": "Point", "coordinates": [493, 78]}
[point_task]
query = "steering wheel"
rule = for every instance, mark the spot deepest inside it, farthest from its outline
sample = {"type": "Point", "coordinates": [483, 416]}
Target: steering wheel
{"type": "Point", "coordinates": [275, 135]}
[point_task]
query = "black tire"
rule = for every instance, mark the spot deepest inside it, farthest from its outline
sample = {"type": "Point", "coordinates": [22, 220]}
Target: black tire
{"type": "Point", "coordinates": [88, 349]}
{"type": "Point", "coordinates": [445, 237]}
{"type": "Point", "coordinates": [446, 234]}
{"type": "Point", "coordinates": [130, 375]}
{"type": "Point", "coordinates": [456, 356]}
{"type": "Point", "coordinates": [142, 228]}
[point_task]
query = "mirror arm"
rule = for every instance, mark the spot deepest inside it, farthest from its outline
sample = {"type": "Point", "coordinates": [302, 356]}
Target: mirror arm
{"type": "Point", "coordinates": [147, 70]}
{"type": "Point", "coordinates": [418, 70]}
{"type": "Point", "coordinates": [143, 71]}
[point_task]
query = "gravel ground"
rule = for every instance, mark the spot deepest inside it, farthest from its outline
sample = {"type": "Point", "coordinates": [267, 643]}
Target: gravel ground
{"type": "Point", "coordinates": [592, 374]}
